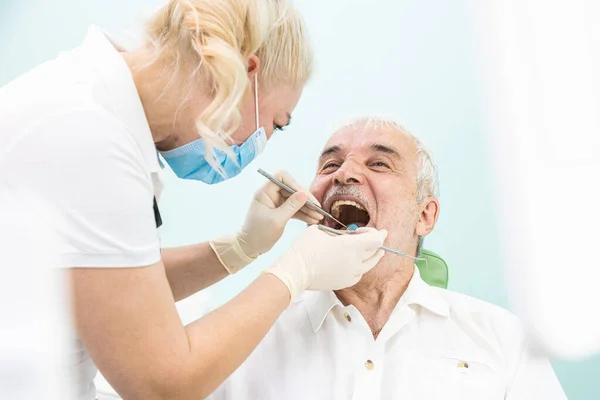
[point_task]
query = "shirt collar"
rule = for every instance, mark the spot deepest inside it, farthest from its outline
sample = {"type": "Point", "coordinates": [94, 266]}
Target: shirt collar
{"type": "Point", "coordinates": [418, 292]}
{"type": "Point", "coordinates": [100, 54]}
{"type": "Point", "coordinates": [421, 294]}
{"type": "Point", "coordinates": [318, 305]}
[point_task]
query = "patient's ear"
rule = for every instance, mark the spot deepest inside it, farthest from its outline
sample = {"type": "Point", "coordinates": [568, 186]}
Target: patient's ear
{"type": "Point", "coordinates": [430, 211]}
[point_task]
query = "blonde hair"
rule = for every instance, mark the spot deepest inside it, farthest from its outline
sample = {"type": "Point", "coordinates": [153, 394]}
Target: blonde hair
{"type": "Point", "coordinates": [213, 41]}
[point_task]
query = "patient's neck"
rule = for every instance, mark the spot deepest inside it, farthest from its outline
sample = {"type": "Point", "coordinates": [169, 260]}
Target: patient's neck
{"type": "Point", "coordinates": [378, 292]}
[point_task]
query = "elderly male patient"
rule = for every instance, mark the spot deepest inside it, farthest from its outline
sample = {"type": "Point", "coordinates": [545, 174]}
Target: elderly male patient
{"type": "Point", "coordinates": [391, 336]}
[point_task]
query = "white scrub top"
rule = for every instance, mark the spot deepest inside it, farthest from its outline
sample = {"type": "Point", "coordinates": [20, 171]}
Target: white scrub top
{"type": "Point", "coordinates": [77, 148]}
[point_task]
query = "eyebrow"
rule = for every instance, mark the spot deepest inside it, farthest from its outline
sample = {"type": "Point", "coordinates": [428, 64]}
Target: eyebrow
{"type": "Point", "coordinates": [329, 151]}
{"type": "Point", "coordinates": [381, 148]}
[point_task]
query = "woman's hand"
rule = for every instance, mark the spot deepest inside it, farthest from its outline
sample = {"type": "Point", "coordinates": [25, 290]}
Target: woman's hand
{"type": "Point", "coordinates": [269, 212]}
{"type": "Point", "coordinates": [319, 261]}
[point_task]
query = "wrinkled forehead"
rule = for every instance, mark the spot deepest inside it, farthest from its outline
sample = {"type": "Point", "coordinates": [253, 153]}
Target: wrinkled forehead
{"type": "Point", "coordinates": [360, 138]}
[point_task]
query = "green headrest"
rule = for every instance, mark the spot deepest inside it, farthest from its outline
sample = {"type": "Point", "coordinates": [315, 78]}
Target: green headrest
{"type": "Point", "coordinates": [435, 271]}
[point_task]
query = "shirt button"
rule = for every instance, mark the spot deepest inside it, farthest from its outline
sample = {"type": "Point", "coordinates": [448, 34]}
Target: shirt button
{"type": "Point", "coordinates": [369, 365]}
{"type": "Point", "coordinates": [348, 317]}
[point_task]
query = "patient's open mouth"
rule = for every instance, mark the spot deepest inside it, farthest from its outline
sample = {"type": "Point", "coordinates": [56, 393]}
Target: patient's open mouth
{"type": "Point", "coordinates": [349, 212]}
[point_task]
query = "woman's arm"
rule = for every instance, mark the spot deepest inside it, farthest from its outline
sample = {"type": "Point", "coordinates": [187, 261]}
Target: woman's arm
{"type": "Point", "coordinates": [192, 268]}
{"type": "Point", "coordinates": [128, 321]}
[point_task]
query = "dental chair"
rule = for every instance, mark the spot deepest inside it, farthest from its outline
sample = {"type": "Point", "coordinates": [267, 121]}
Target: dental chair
{"type": "Point", "coordinates": [435, 271]}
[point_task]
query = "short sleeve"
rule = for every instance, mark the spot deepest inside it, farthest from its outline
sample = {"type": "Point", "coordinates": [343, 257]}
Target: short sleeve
{"type": "Point", "coordinates": [98, 197]}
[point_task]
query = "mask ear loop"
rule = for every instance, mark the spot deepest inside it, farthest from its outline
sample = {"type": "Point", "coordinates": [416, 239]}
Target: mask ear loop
{"type": "Point", "coordinates": [256, 99]}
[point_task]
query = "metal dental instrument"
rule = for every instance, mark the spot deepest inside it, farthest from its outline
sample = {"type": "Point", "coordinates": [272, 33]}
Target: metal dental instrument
{"type": "Point", "coordinates": [288, 189]}
{"type": "Point", "coordinates": [384, 248]}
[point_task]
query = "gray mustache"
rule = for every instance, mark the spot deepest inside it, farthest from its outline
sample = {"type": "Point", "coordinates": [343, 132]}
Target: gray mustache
{"type": "Point", "coordinates": [347, 190]}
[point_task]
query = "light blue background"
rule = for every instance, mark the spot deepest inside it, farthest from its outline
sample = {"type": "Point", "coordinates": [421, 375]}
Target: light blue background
{"type": "Point", "coordinates": [413, 59]}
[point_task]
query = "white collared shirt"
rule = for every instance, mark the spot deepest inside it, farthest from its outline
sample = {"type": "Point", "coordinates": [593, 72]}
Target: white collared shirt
{"type": "Point", "coordinates": [437, 344]}
{"type": "Point", "coordinates": [77, 149]}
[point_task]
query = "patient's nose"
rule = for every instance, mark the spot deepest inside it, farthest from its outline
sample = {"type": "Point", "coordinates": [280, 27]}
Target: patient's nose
{"type": "Point", "coordinates": [348, 174]}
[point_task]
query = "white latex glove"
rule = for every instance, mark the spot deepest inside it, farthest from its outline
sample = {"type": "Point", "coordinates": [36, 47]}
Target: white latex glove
{"type": "Point", "coordinates": [319, 261]}
{"type": "Point", "coordinates": [269, 212]}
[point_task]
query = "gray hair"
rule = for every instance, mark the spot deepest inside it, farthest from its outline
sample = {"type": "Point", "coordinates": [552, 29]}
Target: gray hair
{"type": "Point", "coordinates": [427, 176]}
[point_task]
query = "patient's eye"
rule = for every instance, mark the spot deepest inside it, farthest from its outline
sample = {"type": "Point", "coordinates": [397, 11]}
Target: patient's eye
{"type": "Point", "coordinates": [380, 164]}
{"type": "Point", "coordinates": [330, 166]}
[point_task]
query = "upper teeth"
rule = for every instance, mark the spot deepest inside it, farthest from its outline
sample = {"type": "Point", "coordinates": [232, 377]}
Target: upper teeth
{"type": "Point", "coordinates": [335, 207]}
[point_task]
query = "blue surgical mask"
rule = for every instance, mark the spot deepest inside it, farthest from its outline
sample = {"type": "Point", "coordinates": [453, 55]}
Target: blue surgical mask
{"type": "Point", "coordinates": [188, 161]}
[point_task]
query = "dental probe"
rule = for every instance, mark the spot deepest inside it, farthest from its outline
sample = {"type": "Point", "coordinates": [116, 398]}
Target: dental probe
{"type": "Point", "coordinates": [288, 189]}
{"type": "Point", "coordinates": [384, 248]}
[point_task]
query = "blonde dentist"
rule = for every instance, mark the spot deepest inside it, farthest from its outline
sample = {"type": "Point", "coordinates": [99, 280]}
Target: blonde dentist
{"type": "Point", "coordinates": [80, 134]}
